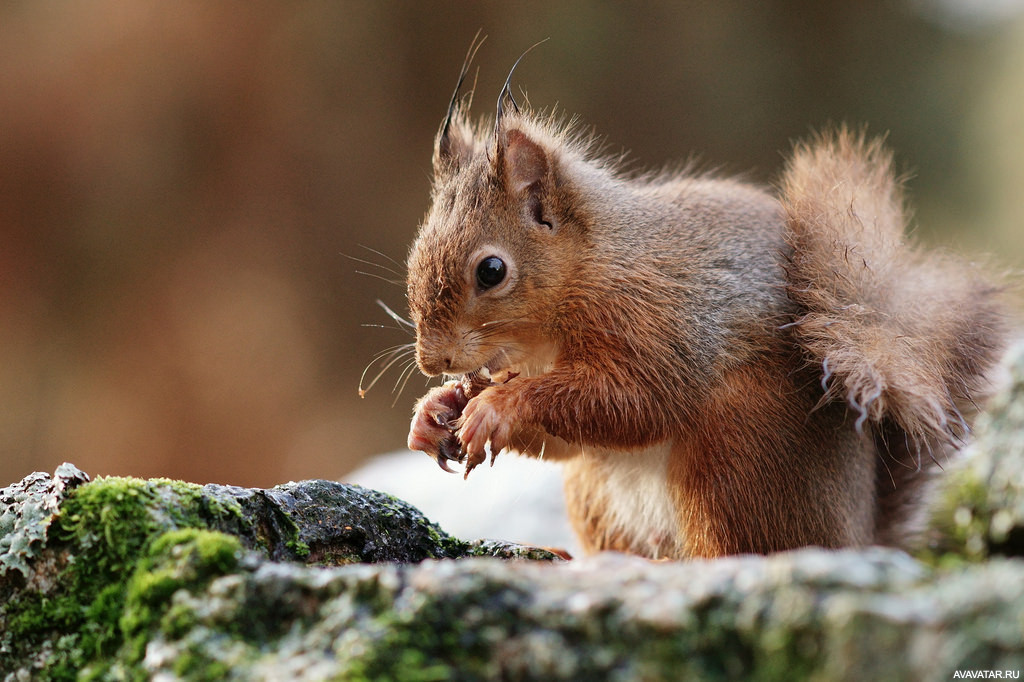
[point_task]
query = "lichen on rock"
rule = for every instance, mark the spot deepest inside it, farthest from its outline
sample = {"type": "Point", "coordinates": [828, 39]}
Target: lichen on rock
{"type": "Point", "coordinates": [28, 507]}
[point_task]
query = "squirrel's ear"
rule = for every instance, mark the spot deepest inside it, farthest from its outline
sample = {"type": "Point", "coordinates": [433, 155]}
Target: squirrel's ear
{"type": "Point", "coordinates": [526, 168]}
{"type": "Point", "coordinates": [526, 162]}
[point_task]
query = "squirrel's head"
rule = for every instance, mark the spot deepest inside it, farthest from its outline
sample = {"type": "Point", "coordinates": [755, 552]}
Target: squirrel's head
{"type": "Point", "coordinates": [493, 251]}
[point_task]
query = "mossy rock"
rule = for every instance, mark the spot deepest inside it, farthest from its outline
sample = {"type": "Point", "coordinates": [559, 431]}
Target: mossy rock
{"type": "Point", "coordinates": [979, 510]}
{"type": "Point", "coordinates": [123, 578]}
{"type": "Point", "coordinates": [87, 568]}
{"type": "Point", "coordinates": [132, 579]}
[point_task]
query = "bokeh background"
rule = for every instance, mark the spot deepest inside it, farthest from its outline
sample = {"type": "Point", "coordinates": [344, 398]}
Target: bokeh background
{"type": "Point", "coordinates": [184, 186]}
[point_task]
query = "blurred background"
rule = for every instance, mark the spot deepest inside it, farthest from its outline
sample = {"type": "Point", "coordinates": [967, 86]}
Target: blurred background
{"type": "Point", "coordinates": [184, 187]}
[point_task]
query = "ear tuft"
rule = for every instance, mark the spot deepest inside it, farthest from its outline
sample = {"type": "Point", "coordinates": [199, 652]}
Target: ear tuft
{"type": "Point", "coordinates": [526, 162]}
{"type": "Point", "coordinates": [453, 146]}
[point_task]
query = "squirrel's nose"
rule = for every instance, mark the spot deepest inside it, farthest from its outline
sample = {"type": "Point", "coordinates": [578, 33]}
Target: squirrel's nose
{"type": "Point", "coordinates": [433, 364]}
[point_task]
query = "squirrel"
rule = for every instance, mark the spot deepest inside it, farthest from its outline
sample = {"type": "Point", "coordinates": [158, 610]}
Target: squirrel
{"type": "Point", "coordinates": [720, 367]}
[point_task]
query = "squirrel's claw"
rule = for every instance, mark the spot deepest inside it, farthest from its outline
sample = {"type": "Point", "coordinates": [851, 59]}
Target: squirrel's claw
{"type": "Point", "coordinates": [471, 463]}
{"type": "Point", "coordinates": [431, 431]}
{"type": "Point", "coordinates": [440, 430]}
{"type": "Point", "coordinates": [449, 449]}
{"type": "Point", "coordinates": [487, 421]}
{"type": "Point", "coordinates": [440, 459]}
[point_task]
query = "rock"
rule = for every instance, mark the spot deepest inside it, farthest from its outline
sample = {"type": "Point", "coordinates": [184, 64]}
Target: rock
{"type": "Point", "coordinates": [875, 614]}
{"type": "Point", "coordinates": [86, 567]}
{"type": "Point", "coordinates": [122, 578]}
{"type": "Point", "coordinates": [28, 509]}
{"type": "Point", "coordinates": [519, 499]}
{"type": "Point", "coordinates": [979, 510]}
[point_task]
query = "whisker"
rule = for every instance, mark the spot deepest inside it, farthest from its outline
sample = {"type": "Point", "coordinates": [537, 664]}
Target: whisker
{"type": "Point", "coordinates": [389, 361]}
{"type": "Point", "coordinates": [372, 264]}
{"type": "Point", "coordinates": [384, 326]}
{"type": "Point", "coordinates": [503, 347]}
{"type": "Point", "coordinates": [409, 370]}
{"type": "Point", "coordinates": [393, 349]}
{"type": "Point", "coordinates": [493, 327]}
{"type": "Point", "coordinates": [506, 320]}
{"type": "Point", "coordinates": [382, 255]}
{"type": "Point", "coordinates": [395, 316]}
{"type": "Point", "coordinates": [393, 282]}
{"type": "Point", "coordinates": [405, 368]}
{"type": "Point", "coordinates": [498, 324]}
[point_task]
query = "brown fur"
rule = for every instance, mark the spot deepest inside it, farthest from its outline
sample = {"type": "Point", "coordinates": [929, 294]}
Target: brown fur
{"type": "Point", "coordinates": [688, 322]}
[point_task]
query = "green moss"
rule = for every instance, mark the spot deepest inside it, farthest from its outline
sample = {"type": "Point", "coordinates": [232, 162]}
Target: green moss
{"type": "Point", "coordinates": [333, 559]}
{"type": "Point", "coordinates": [431, 640]}
{"type": "Point", "coordinates": [296, 546]}
{"type": "Point", "coordinates": [960, 522]}
{"type": "Point", "coordinates": [450, 547]}
{"type": "Point", "coordinates": [179, 559]}
{"type": "Point", "coordinates": [193, 667]}
{"type": "Point", "coordinates": [979, 510]}
{"type": "Point", "coordinates": [105, 527]}
{"type": "Point", "coordinates": [407, 665]}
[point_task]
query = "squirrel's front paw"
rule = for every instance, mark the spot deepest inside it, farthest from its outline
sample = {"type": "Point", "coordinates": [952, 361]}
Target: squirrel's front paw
{"type": "Point", "coordinates": [433, 424]}
{"type": "Point", "coordinates": [487, 418]}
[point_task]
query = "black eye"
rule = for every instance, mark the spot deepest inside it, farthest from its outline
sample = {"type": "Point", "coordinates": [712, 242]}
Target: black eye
{"type": "Point", "coordinates": [490, 272]}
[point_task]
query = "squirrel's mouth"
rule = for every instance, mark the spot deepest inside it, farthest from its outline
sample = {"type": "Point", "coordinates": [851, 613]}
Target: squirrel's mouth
{"type": "Point", "coordinates": [494, 370]}
{"type": "Point", "coordinates": [507, 363]}
{"type": "Point", "coordinates": [497, 375]}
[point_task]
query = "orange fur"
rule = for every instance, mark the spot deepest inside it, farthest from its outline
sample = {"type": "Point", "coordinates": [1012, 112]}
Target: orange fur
{"type": "Point", "coordinates": [756, 474]}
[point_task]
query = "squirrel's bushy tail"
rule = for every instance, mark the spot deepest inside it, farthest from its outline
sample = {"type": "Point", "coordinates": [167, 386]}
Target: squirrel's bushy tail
{"type": "Point", "coordinates": [905, 337]}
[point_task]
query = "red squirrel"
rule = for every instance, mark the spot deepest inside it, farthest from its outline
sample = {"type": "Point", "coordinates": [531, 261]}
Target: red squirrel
{"type": "Point", "coordinates": [720, 367]}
